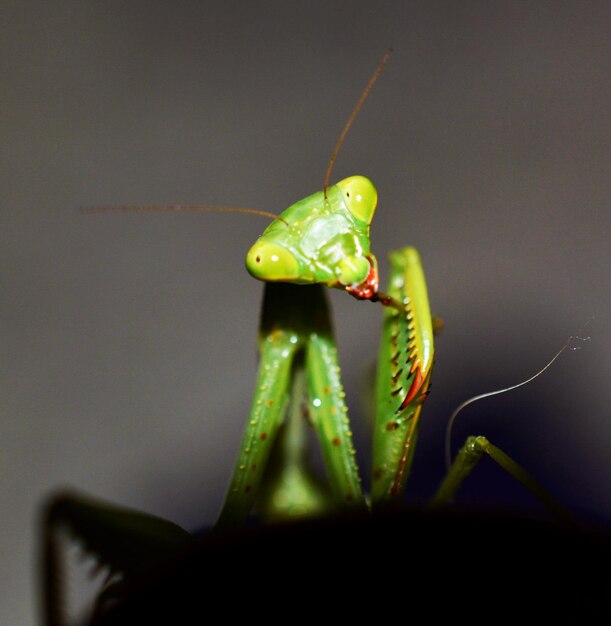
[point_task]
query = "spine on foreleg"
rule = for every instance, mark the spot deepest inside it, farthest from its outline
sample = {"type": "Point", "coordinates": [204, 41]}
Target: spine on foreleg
{"type": "Point", "coordinates": [404, 373]}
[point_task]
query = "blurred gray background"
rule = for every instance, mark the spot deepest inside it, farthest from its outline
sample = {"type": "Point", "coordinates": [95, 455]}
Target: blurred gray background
{"type": "Point", "coordinates": [128, 341]}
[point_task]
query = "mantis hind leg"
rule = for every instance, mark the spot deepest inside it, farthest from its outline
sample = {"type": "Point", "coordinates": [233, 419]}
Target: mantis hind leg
{"type": "Point", "coordinates": [469, 456]}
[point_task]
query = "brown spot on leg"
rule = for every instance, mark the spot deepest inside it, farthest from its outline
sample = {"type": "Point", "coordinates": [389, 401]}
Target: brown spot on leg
{"type": "Point", "coordinates": [248, 488]}
{"type": "Point", "coordinates": [253, 467]}
{"type": "Point", "coordinates": [269, 403]}
{"type": "Point", "coordinates": [276, 336]}
{"type": "Point", "coordinates": [263, 436]}
{"type": "Point", "coordinates": [377, 474]}
{"type": "Point", "coordinates": [335, 441]}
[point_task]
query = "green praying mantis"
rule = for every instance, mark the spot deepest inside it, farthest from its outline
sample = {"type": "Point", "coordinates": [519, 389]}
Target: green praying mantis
{"type": "Point", "coordinates": [318, 242]}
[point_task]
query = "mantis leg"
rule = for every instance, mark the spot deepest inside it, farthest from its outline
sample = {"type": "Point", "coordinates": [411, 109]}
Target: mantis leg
{"type": "Point", "coordinates": [404, 372]}
{"type": "Point", "coordinates": [127, 541]}
{"type": "Point", "coordinates": [468, 457]}
{"type": "Point", "coordinates": [295, 318]}
{"type": "Point", "coordinates": [329, 414]}
{"type": "Point", "coordinates": [280, 338]}
{"type": "Point", "coordinates": [290, 488]}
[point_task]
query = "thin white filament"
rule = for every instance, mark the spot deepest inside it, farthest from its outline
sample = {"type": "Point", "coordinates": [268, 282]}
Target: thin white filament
{"type": "Point", "coordinates": [448, 442]}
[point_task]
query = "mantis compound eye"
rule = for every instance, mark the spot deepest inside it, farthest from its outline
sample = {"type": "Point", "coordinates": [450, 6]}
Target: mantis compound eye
{"type": "Point", "coordinates": [360, 196]}
{"type": "Point", "coordinates": [272, 262]}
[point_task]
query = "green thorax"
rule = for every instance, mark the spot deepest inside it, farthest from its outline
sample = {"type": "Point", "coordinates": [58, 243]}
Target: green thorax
{"type": "Point", "coordinates": [318, 240]}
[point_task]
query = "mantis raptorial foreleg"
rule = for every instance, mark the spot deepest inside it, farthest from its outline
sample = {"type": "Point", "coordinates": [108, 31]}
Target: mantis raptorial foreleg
{"type": "Point", "coordinates": [290, 487]}
{"type": "Point", "coordinates": [404, 373]}
{"type": "Point", "coordinates": [295, 320]}
{"type": "Point", "coordinates": [128, 542]}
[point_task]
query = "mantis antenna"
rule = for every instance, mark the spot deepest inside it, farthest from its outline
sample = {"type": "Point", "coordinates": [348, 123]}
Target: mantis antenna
{"type": "Point", "coordinates": [182, 207]}
{"type": "Point", "coordinates": [348, 124]}
{"type": "Point", "coordinates": [466, 403]}
{"type": "Point", "coordinates": [266, 214]}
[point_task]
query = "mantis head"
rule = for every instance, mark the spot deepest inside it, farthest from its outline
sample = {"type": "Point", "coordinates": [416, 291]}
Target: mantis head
{"type": "Point", "coordinates": [324, 238]}
{"type": "Point", "coordinates": [320, 239]}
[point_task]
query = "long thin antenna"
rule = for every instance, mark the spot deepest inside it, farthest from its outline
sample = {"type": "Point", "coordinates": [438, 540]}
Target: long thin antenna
{"type": "Point", "coordinates": [181, 207]}
{"type": "Point", "coordinates": [357, 108]}
{"type": "Point", "coordinates": [466, 403]}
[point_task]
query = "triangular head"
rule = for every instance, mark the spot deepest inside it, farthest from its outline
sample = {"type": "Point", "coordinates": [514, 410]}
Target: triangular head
{"type": "Point", "coordinates": [322, 240]}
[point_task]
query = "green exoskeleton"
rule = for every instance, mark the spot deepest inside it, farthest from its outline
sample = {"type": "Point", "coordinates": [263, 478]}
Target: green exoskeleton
{"type": "Point", "coordinates": [321, 241]}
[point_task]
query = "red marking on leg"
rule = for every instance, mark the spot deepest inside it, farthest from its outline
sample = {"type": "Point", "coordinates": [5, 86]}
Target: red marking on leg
{"type": "Point", "coordinates": [368, 289]}
{"type": "Point", "coordinates": [413, 390]}
{"type": "Point", "coordinates": [335, 441]}
{"type": "Point", "coordinates": [263, 436]}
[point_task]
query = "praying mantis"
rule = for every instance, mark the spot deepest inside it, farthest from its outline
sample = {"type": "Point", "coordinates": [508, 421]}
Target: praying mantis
{"type": "Point", "coordinates": [319, 242]}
